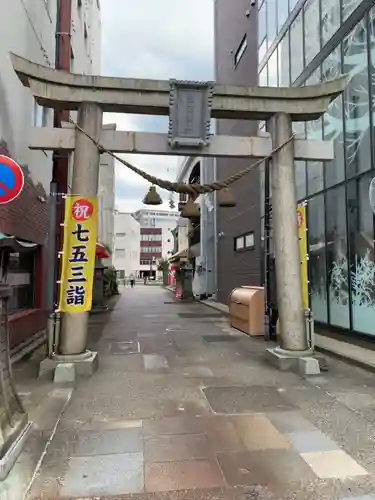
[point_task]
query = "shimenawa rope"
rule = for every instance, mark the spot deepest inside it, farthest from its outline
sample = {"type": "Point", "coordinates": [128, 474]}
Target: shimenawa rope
{"type": "Point", "coordinates": [181, 187]}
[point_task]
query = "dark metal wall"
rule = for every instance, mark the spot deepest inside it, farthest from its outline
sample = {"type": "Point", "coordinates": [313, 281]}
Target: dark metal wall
{"type": "Point", "coordinates": [235, 268]}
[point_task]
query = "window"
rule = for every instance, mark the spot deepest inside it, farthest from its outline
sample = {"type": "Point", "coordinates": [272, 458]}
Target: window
{"type": "Point", "coordinates": [330, 16]}
{"type": "Point", "coordinates": [282, 13]}
{"type": "Point", "coordinates": [312, 30]}
{"type": "Point", "coordinates": [120, 253]}
{"type": "Point", "coordinates": [337, 258]}
{"type": "Point", "coordinates": [273, 71]}
{"type": "Point", "coordinates": [284, 61]}
{"type": "Point", "coordinates": [240, 51]}
{"type": "Point", "coordinates": [314, 130]}
{"type": "Point", "coordinates": [296, 44]}
{"type": "Point", "coordinates": [145, 262]}
{"type": "Point", "coordinates": [317, 258]}
{"type": "Point", "coordinates": [334, 170]}
{"type": "Point", "coordinates": [262, 50]}
{"type": "Point", "coordinates": [40, 115]}
{"type": "Point", "coordinates": [120, 235]}
{"type": "Point", "coordinates": [271, 21]}
{"type": "Point", "coordinates": [361, 255]}
{"type": "Point", "coordinates": [245, 241]}
{"type": "Point", "coordinates": [239, 243]}
{"type": "Point", "coordinates": [249, 240]}
{"type": "Point", "coordinates": [348, 7]}
{"type": "Point", "coordinates": [21, 275]}
{"type": "Point", "coordinates": [356, 102]}
{"type": "Point", "coordinates": [300, 176]}
{"type": "Point", "coordinates": [151, 237]}
{"type": "Point", "coordinates": [263, 77]}
{"type": "Point", "coordinates": [262, 23]}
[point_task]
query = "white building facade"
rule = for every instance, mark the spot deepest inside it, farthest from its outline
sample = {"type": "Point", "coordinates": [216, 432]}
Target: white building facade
{"type": "Point", "coordinates": [162, 219]}
{"type": "Point", "coordinates": [106, 200]}
{"type": "Point", "coordinates": [29, 29]}
{"type": "Point", "coordinates": [86, 37]}
{"type": "Point", "coordinates": [127, 236]}
{"type": "Point", "coordinates": [202, 243]}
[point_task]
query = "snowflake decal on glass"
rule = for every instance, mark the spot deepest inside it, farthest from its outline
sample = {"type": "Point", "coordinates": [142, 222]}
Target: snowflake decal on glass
{"type": "Point", "coordinates": [338, 281]}
{"type": "Point", "coordinates": [362, 281]}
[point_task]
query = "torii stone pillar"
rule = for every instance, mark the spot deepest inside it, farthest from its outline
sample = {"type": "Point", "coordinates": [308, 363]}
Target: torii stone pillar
{"type": "Point", "coordinates": [86, 164]}
{"type": "Point", "coordinates": [279, 106]}
{"type": "Point", "coordinates": [294, 344]}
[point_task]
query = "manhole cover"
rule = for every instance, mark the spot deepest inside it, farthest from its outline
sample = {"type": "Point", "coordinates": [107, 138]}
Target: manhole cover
{"type": "Point", "coordinates": [253, 399]}
{"type": "Point", "coordinates": [124, 348]}
{"type": "Point", "coordinates": [199, 315]}
{"type": "Point", "coordinates": [221, 338]}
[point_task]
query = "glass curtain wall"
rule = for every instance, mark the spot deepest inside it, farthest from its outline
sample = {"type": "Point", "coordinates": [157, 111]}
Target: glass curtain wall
{"type": "Point", "coordinates": [340, 219]}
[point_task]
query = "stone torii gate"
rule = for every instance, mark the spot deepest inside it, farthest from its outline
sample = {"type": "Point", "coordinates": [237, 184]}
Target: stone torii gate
{"type": "Point", "coordinates": [190, 106]}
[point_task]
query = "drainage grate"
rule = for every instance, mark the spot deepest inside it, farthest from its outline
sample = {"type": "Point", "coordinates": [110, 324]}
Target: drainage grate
{"type": "Point", "coordinates": [124, 348]}
{"type": "Point", "coordinates": [221, 338]}
{"type": "Point", "coordinates": [199, 315]}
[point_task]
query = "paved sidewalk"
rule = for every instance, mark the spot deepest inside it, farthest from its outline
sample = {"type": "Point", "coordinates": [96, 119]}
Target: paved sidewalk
{"type": "Point", "coordinates": [184, 408]}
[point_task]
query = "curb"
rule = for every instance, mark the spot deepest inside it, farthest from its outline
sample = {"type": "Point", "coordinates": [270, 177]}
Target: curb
{"type": "Point", "coordinates": [328, 352]}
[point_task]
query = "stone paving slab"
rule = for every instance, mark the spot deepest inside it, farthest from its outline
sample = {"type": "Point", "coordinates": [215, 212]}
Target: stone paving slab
{"type": "Point", "coordinates": [191, 420]}
{"type": "Point", "coordinates": [245, 399]}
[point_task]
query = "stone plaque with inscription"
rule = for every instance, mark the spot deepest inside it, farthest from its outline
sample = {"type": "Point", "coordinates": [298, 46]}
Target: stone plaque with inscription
{"type": "Point", "coordinates": [190, 113]}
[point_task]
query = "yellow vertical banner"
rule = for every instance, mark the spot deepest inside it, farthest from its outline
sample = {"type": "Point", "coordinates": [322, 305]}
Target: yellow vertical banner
{"type": "Point", "coordinates": [302, 236]}
{"type": "Point", "coordinates": [78, 259]}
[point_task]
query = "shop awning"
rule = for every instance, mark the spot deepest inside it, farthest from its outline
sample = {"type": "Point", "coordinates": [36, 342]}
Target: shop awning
{"type": "Point", "coordinates": [102, 251]}
{"type": "Point", "coordinates": [15, 245]}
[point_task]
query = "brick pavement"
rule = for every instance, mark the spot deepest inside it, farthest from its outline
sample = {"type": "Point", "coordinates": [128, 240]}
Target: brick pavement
{"type": "Point", "coordinates": [184, 407]}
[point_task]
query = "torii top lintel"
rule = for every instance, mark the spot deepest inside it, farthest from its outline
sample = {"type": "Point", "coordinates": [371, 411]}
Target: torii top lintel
{"type": "Point", "coordinates": [61, 90]}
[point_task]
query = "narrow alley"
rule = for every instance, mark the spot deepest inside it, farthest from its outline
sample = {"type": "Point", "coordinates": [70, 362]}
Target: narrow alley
{"type": "Point", "coordinates": [184, 407]}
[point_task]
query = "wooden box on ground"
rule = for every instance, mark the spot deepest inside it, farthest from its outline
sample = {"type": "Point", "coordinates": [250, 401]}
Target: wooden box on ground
{"type": "Point", "coordinates": [246, 310]}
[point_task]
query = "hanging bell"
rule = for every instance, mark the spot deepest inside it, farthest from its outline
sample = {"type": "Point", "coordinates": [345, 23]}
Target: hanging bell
{"type": "Point", "coordinates": [225, 198]}
{"type": "Point", "coordinates": [190, 210]}
{"type": "Point", "coordinates": [152, 197]}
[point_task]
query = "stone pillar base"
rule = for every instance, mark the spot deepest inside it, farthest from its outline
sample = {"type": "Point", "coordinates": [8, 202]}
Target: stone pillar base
{"type": "Point", "coordinates": [302, 362]}
{"type": "Point", "coordinates": [74, 365]}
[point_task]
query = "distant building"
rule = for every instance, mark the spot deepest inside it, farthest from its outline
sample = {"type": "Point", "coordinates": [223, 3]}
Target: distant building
{"type": "Point", "coordinates": [151, 245]}
{"type": "Point", "coordinates": [163, 221]}
{"type": "Point", "coordinates": [126, 253]}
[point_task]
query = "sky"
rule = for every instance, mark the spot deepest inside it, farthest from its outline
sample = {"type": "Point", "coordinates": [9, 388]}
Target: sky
{"type": "Point", "coordinates": [160, 39]}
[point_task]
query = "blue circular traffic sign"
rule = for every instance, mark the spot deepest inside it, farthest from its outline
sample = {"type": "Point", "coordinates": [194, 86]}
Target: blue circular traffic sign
{"type": "Point", "coordinates": [11, 179]}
